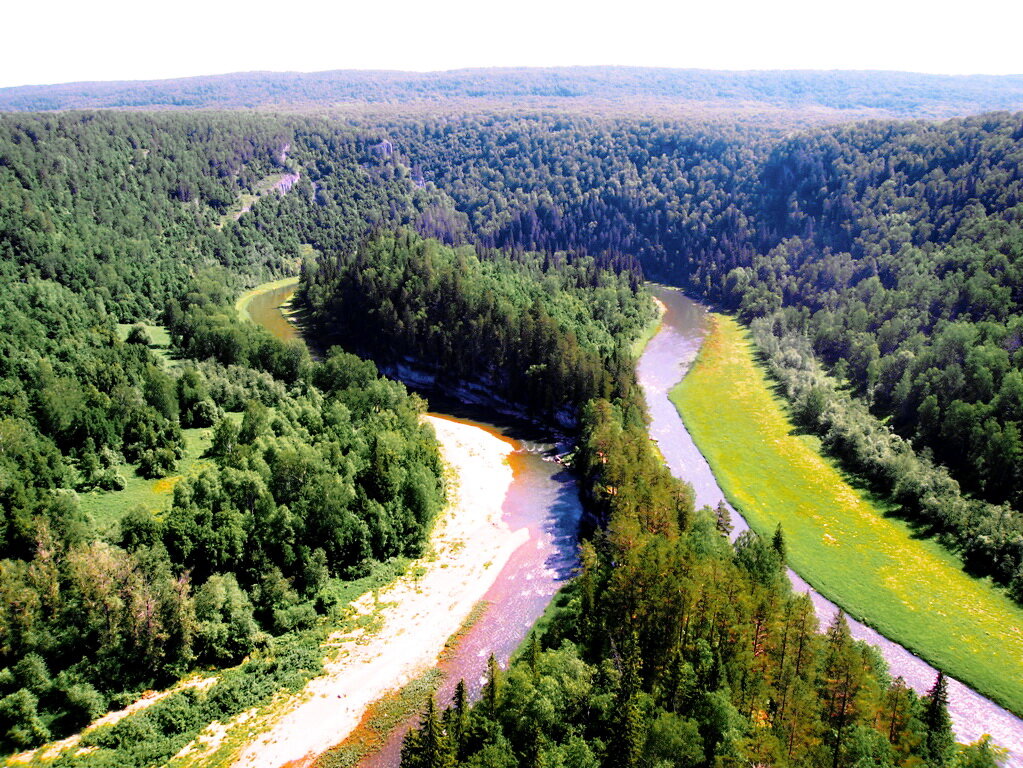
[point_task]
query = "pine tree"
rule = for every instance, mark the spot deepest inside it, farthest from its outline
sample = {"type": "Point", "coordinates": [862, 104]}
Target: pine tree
{"type": "Point", "coordinates": [842, 677]}
{"type": "Point", "coordinates": [778, 543]}
{"type": "Point", "coordinates": [938, 740]}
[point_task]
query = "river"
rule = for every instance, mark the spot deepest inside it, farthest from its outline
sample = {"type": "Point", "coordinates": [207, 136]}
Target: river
{"type": "Point", "coordinates": [663, 364]}
{"type": "Point", "coordinates": [543, 500]}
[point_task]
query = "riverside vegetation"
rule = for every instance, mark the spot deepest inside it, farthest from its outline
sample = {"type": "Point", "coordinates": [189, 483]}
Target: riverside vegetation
{"type": "Point", "coordinates": [888, 251]}
{"type": "Point", "coordinates": [673, 645]}
{"type": "Point", "coordinates": [842, 538]}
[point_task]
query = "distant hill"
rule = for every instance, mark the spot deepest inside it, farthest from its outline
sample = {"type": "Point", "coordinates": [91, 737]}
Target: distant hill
{"type": "Point", "coordinates": [895, 94]}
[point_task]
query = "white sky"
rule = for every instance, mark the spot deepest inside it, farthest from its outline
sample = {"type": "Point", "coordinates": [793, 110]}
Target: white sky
{"type": "Point", "coordinates": [52, 41]}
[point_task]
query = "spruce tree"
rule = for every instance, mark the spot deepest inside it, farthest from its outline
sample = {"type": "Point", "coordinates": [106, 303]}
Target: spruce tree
{"type": "Point", "coordinates": [456, 719]}
{"type": "Point", "coordinates": [428, 745]}
{"type": "Point", "coordinates": [491, 690]}
{"type": "Point", "coordinates": [778, 543]}
{"type": "Point", "coordinates": [631, 726]}
{"type": "Point", "coordinates": [939, 742]}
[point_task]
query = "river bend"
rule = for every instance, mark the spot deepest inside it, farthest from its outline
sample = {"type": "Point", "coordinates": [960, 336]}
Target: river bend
{"type": "Point", "coordinates": [542, 501]}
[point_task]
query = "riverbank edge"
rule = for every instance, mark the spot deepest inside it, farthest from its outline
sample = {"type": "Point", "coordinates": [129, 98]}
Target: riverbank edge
{"type": "Point", "coordinates": [241, 306]}
{"type": "Point", "coordinates": [490, 556]}
{"type": "Point", "coordinates": [414, 629]}
{"type": "Point", "coordinates": [650, 330]}
{"type": "Point", "coordinates": [395, 708]}
{"type": "Point", "coordinates": [959, 669]}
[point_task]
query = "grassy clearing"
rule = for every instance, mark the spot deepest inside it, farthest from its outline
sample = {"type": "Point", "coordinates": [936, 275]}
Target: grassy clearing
{"type": "Point", "coordinates": [159, 339]}
{"type": "Point", "coordinates": [107, 507]}
{"type": "Point", "coordinates": [839, 539]}
{"type": "Point", "coordinates": [245, 200]}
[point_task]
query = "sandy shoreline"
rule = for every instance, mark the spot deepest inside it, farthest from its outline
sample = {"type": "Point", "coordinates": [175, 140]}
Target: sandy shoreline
{"type": "Point", "coordinates": [469, 546]}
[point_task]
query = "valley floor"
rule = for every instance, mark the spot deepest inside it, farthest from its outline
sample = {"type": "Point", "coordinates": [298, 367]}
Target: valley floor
{"type": "Point", "coordinates": [839, 540]}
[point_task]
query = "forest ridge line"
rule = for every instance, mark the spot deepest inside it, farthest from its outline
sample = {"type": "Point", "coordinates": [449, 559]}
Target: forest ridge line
{"type": "Point", "coordinates": [848, 93]}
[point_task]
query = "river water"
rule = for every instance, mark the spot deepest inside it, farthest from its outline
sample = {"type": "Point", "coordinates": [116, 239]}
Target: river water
{"type": "Point", "coordinates": [663, 364]}
{"type": "Point", "coordinates": [264, 309]}
{"type": "Point", "coordinates": [543, 499]}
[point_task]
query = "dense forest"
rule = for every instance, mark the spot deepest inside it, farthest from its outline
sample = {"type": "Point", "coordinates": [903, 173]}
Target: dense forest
{"type": "Point", "coordinates": [878, 263]}
{"type": "Point", "coordinates": [543, 335]}
{"type": "Point", "coordinates": [675, 647]}
{"type": "Point", "coordinates": [892, 94]}
{"type": "Point", "coordinates": [892, 247]}
{"type": "Point", "coordinates": [310, 473]}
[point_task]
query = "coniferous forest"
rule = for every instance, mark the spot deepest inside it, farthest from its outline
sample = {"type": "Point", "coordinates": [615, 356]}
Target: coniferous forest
{"type": "Point", "coordinates": [878, 264]}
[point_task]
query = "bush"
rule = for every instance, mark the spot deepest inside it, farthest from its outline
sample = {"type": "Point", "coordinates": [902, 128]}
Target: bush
{"type": "Point", "coordinates": [138, 335]}
{"type": "Point", "coordinates": [111, 480]}
{"type": "Point", "coordinates": [20, 725]}
{"type": "Point", "coordinates": [157, 462]}
{"type": "Point", "coordinates": [82, 704]}
{"type": "Point", "coordinates": [32, 674]}
{"type": "Point", "coordinates": [139, 528]}
{"type": "Point", "coordinates": [226, 630]}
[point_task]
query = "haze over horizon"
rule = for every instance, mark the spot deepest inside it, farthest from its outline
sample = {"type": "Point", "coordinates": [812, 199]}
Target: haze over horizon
{"type": "Point", "coordinates": [118, 40]}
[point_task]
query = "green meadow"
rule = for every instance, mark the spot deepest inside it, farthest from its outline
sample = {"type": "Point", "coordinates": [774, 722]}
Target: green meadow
{"type": "Point", "coordinates": [840, 539]}
{"type": "Point", "coordinates": [107, 507]}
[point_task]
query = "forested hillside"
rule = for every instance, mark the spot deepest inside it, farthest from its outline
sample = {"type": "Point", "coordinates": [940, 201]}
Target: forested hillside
{"type": "Point", "coordinates": [886, 252]}
{"type": "Point", "coordinates": [892, 247]}
{"type": "Point", "coordinates": [673, 645]}
{"type": "Point", "coordinates": [303, 475]}
{"type": "Point", "coordinates": [542, 334]}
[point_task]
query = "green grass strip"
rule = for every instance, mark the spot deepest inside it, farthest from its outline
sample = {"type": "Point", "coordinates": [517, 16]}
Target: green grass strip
{"type": "Point", "coordinates": [380, 719]}
{"type": "Point", "coordinates": [839, 539]}
{"type": "Point", "coordinates": [647, 333]}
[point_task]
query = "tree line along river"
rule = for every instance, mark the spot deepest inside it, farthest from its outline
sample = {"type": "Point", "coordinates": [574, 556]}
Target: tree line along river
{"type": "Point", "coordinates": [544, 500]}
